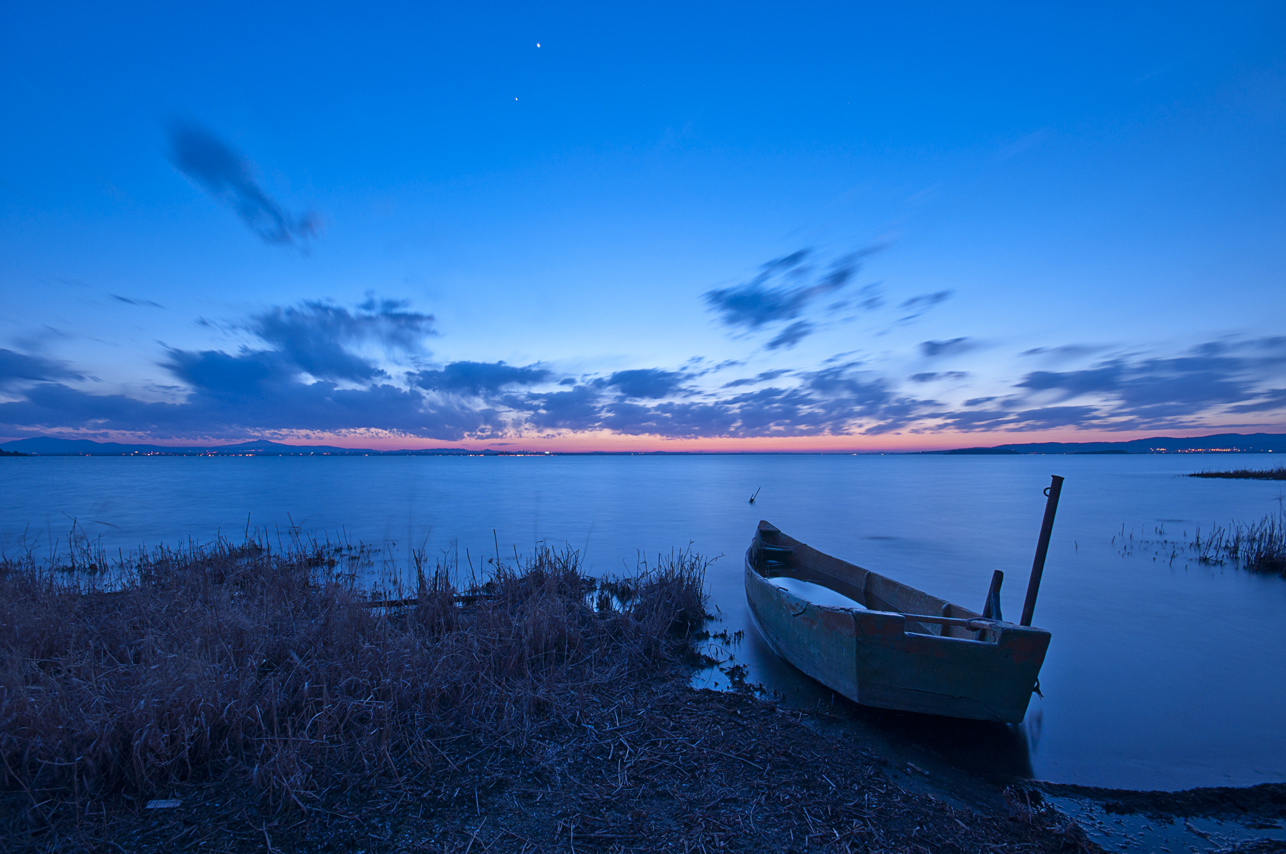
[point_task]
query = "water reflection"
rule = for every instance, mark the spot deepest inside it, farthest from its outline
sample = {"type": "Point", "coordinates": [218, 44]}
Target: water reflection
{"type": "Point", "coordinates": [992, 750]}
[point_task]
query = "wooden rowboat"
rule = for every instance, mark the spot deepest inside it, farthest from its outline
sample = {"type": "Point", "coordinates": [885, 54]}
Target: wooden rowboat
{"type": "Point", "coordinates": [903, 649]}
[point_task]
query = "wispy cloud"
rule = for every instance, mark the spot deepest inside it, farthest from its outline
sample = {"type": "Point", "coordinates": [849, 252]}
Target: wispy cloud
{"type": "Point", "coordinates": [1141, 392]}
{"type": "Point", "coordinates": [783, 290]}
{"type": "Point", "coordinates": [950, 347]}
{"type": "Point", "coordinates": [321, 367]}
{"type": "Point", "coordinates": [791, 335]}
{"type": "Point", "coordinates": [1066, 352]}
{"type": "Point", "coordinates": [932, 376]}
{"type": "Point", "coordinates": [320, 338]}
{"type": "Point", "coordinates": [230, 178]}
{"type": "Point", "coordinates": [917, 306]}
{"type": "Point", "coordinates": [139, 302]}
{"type": "Point", "coordinates": [18, 367]}
{"type": "Point", "coordinates": [764, 376]}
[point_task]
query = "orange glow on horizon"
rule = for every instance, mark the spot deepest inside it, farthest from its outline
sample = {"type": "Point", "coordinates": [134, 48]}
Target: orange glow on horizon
{"type": "Point", "coordinates": [605, 442]}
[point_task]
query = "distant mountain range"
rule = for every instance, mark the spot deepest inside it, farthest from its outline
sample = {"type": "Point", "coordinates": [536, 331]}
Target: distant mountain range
{"type": "Point", "coordinates": [50, 446]}
{"type": "Point", "coordinates": [1235, 443]}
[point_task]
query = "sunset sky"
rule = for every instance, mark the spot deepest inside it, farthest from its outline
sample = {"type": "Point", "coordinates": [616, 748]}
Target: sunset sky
{"type": "Point", "coordinates": [642, 227]}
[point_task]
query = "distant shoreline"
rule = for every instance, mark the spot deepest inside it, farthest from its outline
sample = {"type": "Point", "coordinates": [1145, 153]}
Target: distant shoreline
{"type": "Point", "coordinates": [1278, 473]}
{"type": "Point", "coordinates": [1221, 443]}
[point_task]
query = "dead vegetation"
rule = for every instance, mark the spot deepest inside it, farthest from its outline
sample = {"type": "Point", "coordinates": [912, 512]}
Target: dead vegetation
{"type": "Point", "coordinates": [1256, 546]}
{"type": "Point", "coordinates": [1278, 473]}
{"type": "Point", "coordinates": [241, 661]}
{"type": "Point", "coordinates": [236, 698]}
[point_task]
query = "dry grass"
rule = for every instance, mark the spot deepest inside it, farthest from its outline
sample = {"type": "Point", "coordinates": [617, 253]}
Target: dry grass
{"type": "Point", "coordinates": [272, 667]}
{"type": "Point", "coordinates": [1278, 473]}
{"type": "Point", "coordinates": [283, 705]}
{"type": "Point", "coordinates": [1257, 546]}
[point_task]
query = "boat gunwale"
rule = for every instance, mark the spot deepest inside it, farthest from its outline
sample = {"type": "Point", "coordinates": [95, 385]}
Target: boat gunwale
{"type": "Point", "coordinates": [991, 626]}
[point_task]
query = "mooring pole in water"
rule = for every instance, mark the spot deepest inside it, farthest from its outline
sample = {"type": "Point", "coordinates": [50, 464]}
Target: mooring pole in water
{"type": "Point", "coordinates": [1042, 546]}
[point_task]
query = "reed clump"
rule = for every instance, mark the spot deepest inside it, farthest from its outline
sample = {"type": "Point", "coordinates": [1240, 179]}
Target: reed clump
{"type": "Point", "coordinates": [1278, 473]}
{"type": "Point", "coordinates": [286, 670]}
{"type": "Point", "coordinates": [1256, 546]}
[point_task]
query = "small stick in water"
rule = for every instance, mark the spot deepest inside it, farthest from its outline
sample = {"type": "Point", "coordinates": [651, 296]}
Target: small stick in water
{"type": "Point", "coordinates": [756, 495]}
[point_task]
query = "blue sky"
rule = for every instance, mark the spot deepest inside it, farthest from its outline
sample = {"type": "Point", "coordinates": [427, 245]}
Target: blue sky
{"type": "Point", "coordinates": [739, 226]}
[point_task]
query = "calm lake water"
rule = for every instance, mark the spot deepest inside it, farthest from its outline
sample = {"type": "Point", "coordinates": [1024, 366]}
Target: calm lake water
{"type": "Point", "coordinates": [1161, 674]}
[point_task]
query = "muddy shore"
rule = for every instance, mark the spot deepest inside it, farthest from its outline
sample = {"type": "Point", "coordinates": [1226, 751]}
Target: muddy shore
{"type": "Point", "coordinates": [656, 767]}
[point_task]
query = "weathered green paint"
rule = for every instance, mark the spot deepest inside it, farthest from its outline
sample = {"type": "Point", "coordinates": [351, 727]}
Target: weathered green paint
{"type": "Point", "coordinates": [879, 657]}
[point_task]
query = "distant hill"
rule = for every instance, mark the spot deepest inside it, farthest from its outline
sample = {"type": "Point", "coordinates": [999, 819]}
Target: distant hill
{"type": "Point", "coordinates": [50, 446]}
{"type": "Point", "coordinates": [1252, 443]}
{"type": "Point", "coordinates": [47, 445]}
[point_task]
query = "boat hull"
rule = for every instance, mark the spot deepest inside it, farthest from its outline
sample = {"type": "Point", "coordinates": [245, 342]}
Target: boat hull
{"type": "Point", "coordinates": [881, 657]}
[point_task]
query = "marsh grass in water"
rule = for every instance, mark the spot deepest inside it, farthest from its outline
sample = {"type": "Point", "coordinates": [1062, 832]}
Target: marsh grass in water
{"type": "Point", "coordinates": [1278, 473]}
{"type": "Point", "coordinates": [283, 668]}
{"type": "Point", "coordinates": [1256, 546]}
{"type": "Point", "coordinates": [1259, 547]}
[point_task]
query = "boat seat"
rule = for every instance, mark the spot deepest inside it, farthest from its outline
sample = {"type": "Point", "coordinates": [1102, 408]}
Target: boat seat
{"type": "Point", "coordinates": [771, 558]}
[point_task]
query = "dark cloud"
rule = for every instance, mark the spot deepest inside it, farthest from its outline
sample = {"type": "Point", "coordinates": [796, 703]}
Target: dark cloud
{"type": "Point", "coordinates": [1074, 383]}
{"type": "Point", "coordinates": [576, 409]}
{"type": "Point", "coordinates": [19, 367]}
{"type": "Point", "coordinates": [871, 297]}
{"type": "Point", "coordinates": [1155, 387]}
{"type": "Point", "coordinates": [293, 384]}
{"type": "Point", "coordinates": [833, 401]}
{"type": "Point", "coordinates": [217, 373]}
{"type": "Point", "coordinates": [918, 305]}
{"type": "Point", "coordinates": [646, 383]}
{"type": "Point", "coordinates": [1065, 352]}
{"type": "Point", "coordinates": [478, 378]}
{"type": "Point", "coordinates": [924, 301]}
{"type": "Point", "coordinates": [139, 302]}
{"type": "Point", "coordinates": [230, 179]}
{"type": "Point", "coordinates": [318, 338]}
{"type": "Point", "coordinates": [1268, 401]}
{"type": "Point", "coordinates": [930, 376]}
{"type": "Point", "coordinates": [950, 347]}
{"type": "Point", "coordinates": [230, 395]}
{"type": "Point", "coordinates": [765, 376]}
{"type": "Point", "coordinates": [1024, 420]}
{"type": "Point", "coordinates": [767, 412]}
{"type": "Point", "coordinates": [783, 289]}
{"type": "Point", "coordinates": [1142, 393]}
{"type": "Point", "coordinates": [675, 420]}
{"type": "Point", "coordinates": [791, 335]}
{"type": "Point", "coordinates": [313, 371]}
